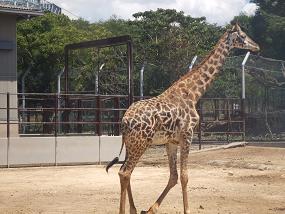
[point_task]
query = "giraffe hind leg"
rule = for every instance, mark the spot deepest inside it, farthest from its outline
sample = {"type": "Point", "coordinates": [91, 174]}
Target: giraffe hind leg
{"type": "Point", "coordinates": [134, 154]}
{"type": "Point", "coordinates": [172, 158]}
{"type": "Point", "coordinates": [184, 153]}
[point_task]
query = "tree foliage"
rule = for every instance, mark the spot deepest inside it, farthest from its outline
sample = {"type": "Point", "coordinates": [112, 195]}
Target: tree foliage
{"type": "Point", "coordinates": [165, 41]}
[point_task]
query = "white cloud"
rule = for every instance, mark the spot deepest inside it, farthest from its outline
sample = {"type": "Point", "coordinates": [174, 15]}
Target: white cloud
{"type": "Point", "coordinates": [216, 11]}
{"type": "Point", "coordinates": [250, 9]}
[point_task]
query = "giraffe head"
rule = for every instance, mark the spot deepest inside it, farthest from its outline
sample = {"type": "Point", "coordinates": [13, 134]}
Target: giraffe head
{"type": "Point", "coordinates": [238, 39]}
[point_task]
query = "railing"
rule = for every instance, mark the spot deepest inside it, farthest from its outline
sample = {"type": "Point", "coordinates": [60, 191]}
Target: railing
{"type": "Point", "coordinates": [37, 114]}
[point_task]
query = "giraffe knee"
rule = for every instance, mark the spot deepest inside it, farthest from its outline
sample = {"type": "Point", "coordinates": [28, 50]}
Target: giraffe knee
{"type": "Point", "coordinates": [173, 180]}
{"type": "Point", "coordinates": [184, 178]}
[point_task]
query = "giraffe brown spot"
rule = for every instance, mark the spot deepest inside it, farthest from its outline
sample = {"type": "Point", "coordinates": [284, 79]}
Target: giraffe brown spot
{"type": "Point", "coordinates": [192, 113]}
{"type": "Point", "coordinates": [194, 88]}
{"type": "Point", "coordinates": [205, 77]}
{"type": "Point", "coordinates": [216, 56]}
{"type": "Point", "coordinates": [200, 82]}
{"type": "Point", "coordinates": [158, 106]}
{"type": "Point", "coordinates": [184, 91]}
{"type": "Point", "coordinates": [191, 96]}
{"type": "Point", "coordinates": [182, 114]}
{"type": "Point", "coordinates": [211, 70]}
{"type": "Point", "coordinates": [181, 85]}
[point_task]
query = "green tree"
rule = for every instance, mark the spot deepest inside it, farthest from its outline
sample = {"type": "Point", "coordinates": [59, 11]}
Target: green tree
{"type": "Point", "coordinates": [41, 43]}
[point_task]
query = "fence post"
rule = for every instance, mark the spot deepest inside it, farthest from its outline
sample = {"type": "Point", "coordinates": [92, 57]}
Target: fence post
{"type": "Point", "coordinates": [98, 114]}
{"type": "Point", "coordinates": [55, 128]}
{"type": "Point", "coordinates": [243, 118]}
{"type": "Point", "coordinates": [229, 120]}
{"type": "Point", "coordinates": [79, 116]}
{"type": "Point", "coordinates": [8, 128]}
{"type": "Point", "coordinates": [117, 116]}
{"type": "Point", "coordinates": [243, 92]}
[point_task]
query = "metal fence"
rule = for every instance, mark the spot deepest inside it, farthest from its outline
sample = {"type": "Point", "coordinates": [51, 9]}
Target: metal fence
{"type": "Point", "coordinates": [39, 114]}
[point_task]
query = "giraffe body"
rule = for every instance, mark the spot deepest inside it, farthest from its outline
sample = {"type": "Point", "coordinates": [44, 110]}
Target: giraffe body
{"type": "Point", "coordinates": [170, 119]}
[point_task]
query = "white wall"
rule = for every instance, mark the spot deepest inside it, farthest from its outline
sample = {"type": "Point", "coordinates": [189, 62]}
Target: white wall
{"type": "Point", "coordinates": [35, 151]}
{"type": "Point", "coordinates": [3, 151]}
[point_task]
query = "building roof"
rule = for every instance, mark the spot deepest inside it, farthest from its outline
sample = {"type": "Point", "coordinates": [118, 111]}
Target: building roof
{"type": "Point", "coordinates": [28, 8]}
{"type": "Point", "coordinates": [20, 12]}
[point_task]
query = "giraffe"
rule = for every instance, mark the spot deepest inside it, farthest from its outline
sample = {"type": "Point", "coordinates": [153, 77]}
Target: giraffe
{"type": "Point", "coordinates": [170, 119]}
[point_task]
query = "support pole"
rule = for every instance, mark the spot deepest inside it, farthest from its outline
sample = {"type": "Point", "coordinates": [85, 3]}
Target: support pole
{"type": "Point", "coordinates": [243, 74]}
{"type": "Point", "coordinates": [130, 71]}
{"type": "Point", "coordinates": [8, 128]}
{"type": "Point", "coordinates": [55, 128]}
{"type": "Point", "coordinates": [24, 98]}
{"type": "Point", "coordinates": [192, 63]}
{"type": "Point", "coordinates": [58, 98]}
{"type": "Point", "coordinates": [97, 79]}
{"type": "Point", "coordinates": [243, 93]}
{"type": "Point", "coordinates": [141, 81]}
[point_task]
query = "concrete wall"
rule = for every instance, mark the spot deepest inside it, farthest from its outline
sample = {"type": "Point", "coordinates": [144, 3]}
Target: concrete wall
{"type": "Point", "coordinates": [78, 149]}
{"type": "Point", "coordinates": [3, 151]}
{"type": "Point", "coordinates": [8, 65]}
{"type": "Point", "coordinates": [110, 148]}
{"type": "Point", "coordinates": [37, 151]}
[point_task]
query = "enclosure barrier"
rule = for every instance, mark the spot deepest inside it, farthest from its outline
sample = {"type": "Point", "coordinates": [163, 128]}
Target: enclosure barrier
{"type": "Point", "coordinates": [46, 122]}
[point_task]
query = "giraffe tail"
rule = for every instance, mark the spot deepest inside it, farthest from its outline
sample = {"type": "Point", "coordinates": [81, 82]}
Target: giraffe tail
{"type": "Point", "coordinates": [116, 159]}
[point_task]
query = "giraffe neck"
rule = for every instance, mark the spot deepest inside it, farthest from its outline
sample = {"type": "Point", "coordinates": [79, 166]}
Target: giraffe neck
{"type": "Point", "coordinates": [193, 85]}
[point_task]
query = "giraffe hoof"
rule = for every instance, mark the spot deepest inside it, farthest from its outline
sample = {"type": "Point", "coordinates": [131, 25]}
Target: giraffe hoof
{"type": "Point", "coordinates": [143, 212]}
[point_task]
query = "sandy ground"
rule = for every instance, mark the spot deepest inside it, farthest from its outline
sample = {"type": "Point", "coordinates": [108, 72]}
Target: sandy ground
{"type": "Point", "coordinates": [240, 180]}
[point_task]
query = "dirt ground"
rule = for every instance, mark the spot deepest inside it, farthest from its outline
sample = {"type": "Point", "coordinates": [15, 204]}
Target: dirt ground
{"type": "Point", "coordinates": [241, 180]}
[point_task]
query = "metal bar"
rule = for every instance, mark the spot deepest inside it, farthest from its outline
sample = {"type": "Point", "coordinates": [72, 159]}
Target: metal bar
{"type": "Point", "coordinates": [229, 120]}
{"type": "Point", "coordinates": [58, 93]}
{"type": "Point", "coordinates": [98, 115]}
{"type": "Point", "coordinates": [66, 72]}
{"type": "Point", "coordinates": [243, 117]}
{"type": "Point", "coordinates": [193, 62]}
{"type": "Point", "coordinates": [117, 116]}
{"type": "Point", "coordinates": [243, 73]}
{"type": "Point", "coordinates": [8, 128]}
{"type": "Point", "coordinates": [55, 129]}
{"type": "Point", "coordinates": [79, 117]}
{"type": "Point", "coordinates": [69, 122]}
{"type": "Point", "coordinates": [141, 81]}
{"type": "Point", "coordinates": [113, 41]}
{"type": "Point", "coordinates": [70, 109]}
{"type": "Point", "coordinates": [130, 71]}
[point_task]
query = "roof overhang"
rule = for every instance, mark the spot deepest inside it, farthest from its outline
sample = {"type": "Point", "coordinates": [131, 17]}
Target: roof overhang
{"type": "Point", "coordinates": [21, 13]}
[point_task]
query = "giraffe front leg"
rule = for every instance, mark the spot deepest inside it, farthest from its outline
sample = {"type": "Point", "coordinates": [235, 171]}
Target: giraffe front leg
{"type": "Point", "coordinates": [184, 153]}
{"type": "Point", "coordinates": [133, 209]}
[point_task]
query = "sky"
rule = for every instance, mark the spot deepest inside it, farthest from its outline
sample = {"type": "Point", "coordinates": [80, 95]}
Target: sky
{"type": "Point", "coordinates": [215, 11]}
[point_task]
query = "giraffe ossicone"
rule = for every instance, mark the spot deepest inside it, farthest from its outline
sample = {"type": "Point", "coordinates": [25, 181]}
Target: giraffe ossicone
{"type": "Point", "coordinates": [170, 119]}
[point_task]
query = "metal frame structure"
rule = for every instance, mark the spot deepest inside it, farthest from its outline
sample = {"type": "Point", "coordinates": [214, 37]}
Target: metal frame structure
{"type": "Point", "coordinates": [109, 42]}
